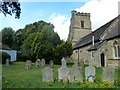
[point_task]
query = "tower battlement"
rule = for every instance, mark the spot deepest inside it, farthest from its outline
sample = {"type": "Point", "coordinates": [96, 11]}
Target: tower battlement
{"type": "Point", "coordinates": [79, 13]}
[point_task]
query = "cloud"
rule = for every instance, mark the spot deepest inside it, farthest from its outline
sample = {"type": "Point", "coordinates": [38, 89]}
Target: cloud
{"type": "Point", "coordinates": [101, 11]}
{"type": "Point", "coordinates": [61, 23]}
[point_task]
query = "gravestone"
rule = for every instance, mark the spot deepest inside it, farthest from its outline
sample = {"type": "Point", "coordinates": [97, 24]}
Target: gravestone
{"type": "Point", "coordinates": [76, 74]}
{"type": "Point", "coordinates": [90, 73]}
{"type": "Point", "coordinates": [63, 72]}
{"type": "Point", "coordinates": [42, 62]}
{"type": "Point", "coordinates": [63, 62]}
{"type": "Point", "coordinates": [28, 64]}
{"type": "Point", "coordinates": [47, 75]}
{"type": "Point", "coordinates": [51, 64]}
{"type": "Point", "coordinates": [108, 74]}
{"type": "Point", "coordinates": [37, 63]}
{"type": "Point", "coordinates": [7, 62]}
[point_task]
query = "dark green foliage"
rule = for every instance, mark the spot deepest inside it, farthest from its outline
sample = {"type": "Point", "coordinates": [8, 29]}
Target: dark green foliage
{"type": "Point", "coordinates": [65, 49]}
{"type": "Point", "coordinates": [4, 57]}
{"type": "Point", "coordinates": [10, 8]}
{"type": "Point", "coordinates": [7, 36]}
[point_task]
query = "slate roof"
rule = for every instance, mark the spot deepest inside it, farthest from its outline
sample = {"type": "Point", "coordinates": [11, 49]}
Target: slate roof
{"type": "Point", "coordinates": [97, 35]}
{"type": "Point", "coordinates": [96, 46]}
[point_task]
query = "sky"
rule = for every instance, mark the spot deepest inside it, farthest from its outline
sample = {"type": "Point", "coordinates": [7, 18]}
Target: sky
{"type": "Point", "coordinates": [59, 14]}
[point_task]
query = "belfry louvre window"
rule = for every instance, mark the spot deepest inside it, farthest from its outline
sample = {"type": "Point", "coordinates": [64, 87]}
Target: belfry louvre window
{"type": "Point", "coordinates": [82, 24]}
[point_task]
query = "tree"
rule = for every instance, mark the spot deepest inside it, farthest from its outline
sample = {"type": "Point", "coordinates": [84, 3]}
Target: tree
{"type": "Point", "coordinates": [65, 49]}
{"type": "Point", "coordinates": [7, 36]}
{"type": "Point", "coordinates": [10, 7]}
{"type": "Point", "coordinates": [40, 43]}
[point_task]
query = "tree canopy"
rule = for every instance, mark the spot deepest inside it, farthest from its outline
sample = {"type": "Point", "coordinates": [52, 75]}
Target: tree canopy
{"type": "Point", "coordinates": [10, 7]}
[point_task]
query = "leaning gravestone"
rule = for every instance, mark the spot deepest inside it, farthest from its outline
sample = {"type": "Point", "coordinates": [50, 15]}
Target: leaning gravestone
{"type": "Point", "coordinates": [90, 73]}
{"type": "Point", "coordinates": [76, 74]}
{"type": "Point", "coordinates": [28, 64]}
{"type": "Point", "coordinates": [63, 72]}
{"type": "Point", "coordinates": [108, 74]}
{"type": "Point", "coordinates": [47, 75]}
{"type": "Point", "coordinates": [42, 62]}
{"type": "Point", "coordinates": [7, 62]}
{"type": "Point", "coordinates": [37, 63]}
{"type": "Point", "coordinates": [51, 64]}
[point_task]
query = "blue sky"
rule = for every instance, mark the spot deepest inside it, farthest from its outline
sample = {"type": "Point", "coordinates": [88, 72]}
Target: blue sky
{"type": "Point", "coordinates": [59, 13]}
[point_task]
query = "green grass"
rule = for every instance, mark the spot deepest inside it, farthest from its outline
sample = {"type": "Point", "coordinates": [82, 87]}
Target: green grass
{"type": "Point", "coordinates": [16, 76]}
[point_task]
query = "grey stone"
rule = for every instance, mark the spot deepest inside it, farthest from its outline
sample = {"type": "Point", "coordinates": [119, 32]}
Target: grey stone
{"type": "Point", "coordinates": [108, 74]}
{"type": "Point", "coordinates": [28, 64]}
{"type": "Point", "coordinates": [51, 64]}
{"type": "Point", "coordinates": [37, 63]}
{"type": "Point", "coordinates": [90, 73]}
{"type": "Point", "coordinates": [42, 62]}
{"type": "Point", "coordinates": [76, 74]}
{"type": "Point", "coordinates": [0, 78]}
{"type": "Point", "coordinates": [63, 62]}
{"type": "Point", "coordinates": [47, 75]}
{"type": "Point", "coordinates": [7, 62]}
{"type": "Point", "coordinates": [63, 74]}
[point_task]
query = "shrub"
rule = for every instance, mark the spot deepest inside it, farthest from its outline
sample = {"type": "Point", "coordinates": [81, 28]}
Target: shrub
{"type": "Point", "coordinates": [4, 57]}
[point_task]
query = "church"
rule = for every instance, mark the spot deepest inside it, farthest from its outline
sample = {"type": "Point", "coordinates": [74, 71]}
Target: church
{"type": "Point", "coordinates": [100, 47]}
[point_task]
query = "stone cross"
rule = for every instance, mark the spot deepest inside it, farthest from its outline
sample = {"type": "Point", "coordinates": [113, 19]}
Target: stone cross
{"type": "Point", "coordinates": [76, 74]}
{"type": "Point", "coordinates": [37, 63]}
{"type": "Point", "coordinates": [47, 75]}
{"type": "Point", "coordinates": [90, 73]}
{"type": "Point", "coordinates": [108, 74]}
{"type": "Point", "coordinates": [63, 62]}
{"type": "Point", "coordinates": [28, 64]}
{"type": "Point", "coordinates": [7, 62]}
{"type": "Point", "coordinates": [42, 62]}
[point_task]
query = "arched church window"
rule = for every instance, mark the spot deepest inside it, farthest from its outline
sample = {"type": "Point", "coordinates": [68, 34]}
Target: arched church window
{"type": "Point", "coordinates": [82, 24]}
{"type": "Point", "coordinates": [116, 49]}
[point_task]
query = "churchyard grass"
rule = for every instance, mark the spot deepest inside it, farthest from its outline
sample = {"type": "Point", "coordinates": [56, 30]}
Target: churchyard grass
{"type": "Point", "coordinates": [17, 76]}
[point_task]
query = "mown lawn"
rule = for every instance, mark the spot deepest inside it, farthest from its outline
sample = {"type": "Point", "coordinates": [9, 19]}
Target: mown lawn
{"type": "Point", "coordinates": [16, 76]}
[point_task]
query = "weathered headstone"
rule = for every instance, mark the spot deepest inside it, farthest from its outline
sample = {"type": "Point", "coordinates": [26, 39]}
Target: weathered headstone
{"type": "Point", "coordinates": [28, 64]}
{"type": "Point", "coordinates": [108, 74]}
{"type": "Point", "coordinates": [47, 75]}
{"type": "Point", "coordinates": [63, 74]}
{"type": "Point", "coordinates": [42, 62]}
{"type": "Point", "coordinates": [7, 62]}
{"type": "Point", "coordinates": [76, 74]}
{"type": "Point", "coordinates": [90, 73]}
{"type": "Point", "coordinates": [63, 62]}
{"type": "Point", "coordinates": [37, 63]}
{"type": "Point", "coordinates": [51, 64]}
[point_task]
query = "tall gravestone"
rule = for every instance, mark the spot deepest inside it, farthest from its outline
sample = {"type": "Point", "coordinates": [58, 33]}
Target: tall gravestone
{"type": "Point", "coordinates": [90, 73]}
{"type": "Point", "coordinates": [63, 72]}
{"type": "Point", "coordinates": [28, 64]}
{"type": "Point", "coordinates": [7, 62]}
{"type": "Point", "coordinates": [37, 63]}
{"type": "Point", "coordinates": [42, 62]}
{"type": "Point", "coordinates": [47, 75]}
{"type": "Point", "coordinates": [108, 74]}
{"type": "Point", "coordinates": [76, 74]}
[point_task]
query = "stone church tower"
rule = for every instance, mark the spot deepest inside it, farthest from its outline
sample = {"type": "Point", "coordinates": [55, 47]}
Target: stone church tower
{"type": "Point", "coordinates": [80, 26]}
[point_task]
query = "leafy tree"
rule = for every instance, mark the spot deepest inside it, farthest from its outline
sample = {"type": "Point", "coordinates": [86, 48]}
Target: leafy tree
{"type": "Point", "coordinates": [7, 36]}
{"type": "Point", "coordinates": [10, 7]}
{"type": "Point", "coordinates": [65, 49]}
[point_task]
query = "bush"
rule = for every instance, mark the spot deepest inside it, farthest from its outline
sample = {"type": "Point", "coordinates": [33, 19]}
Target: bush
{"type": "Point", "coordinates": [4, 57]}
